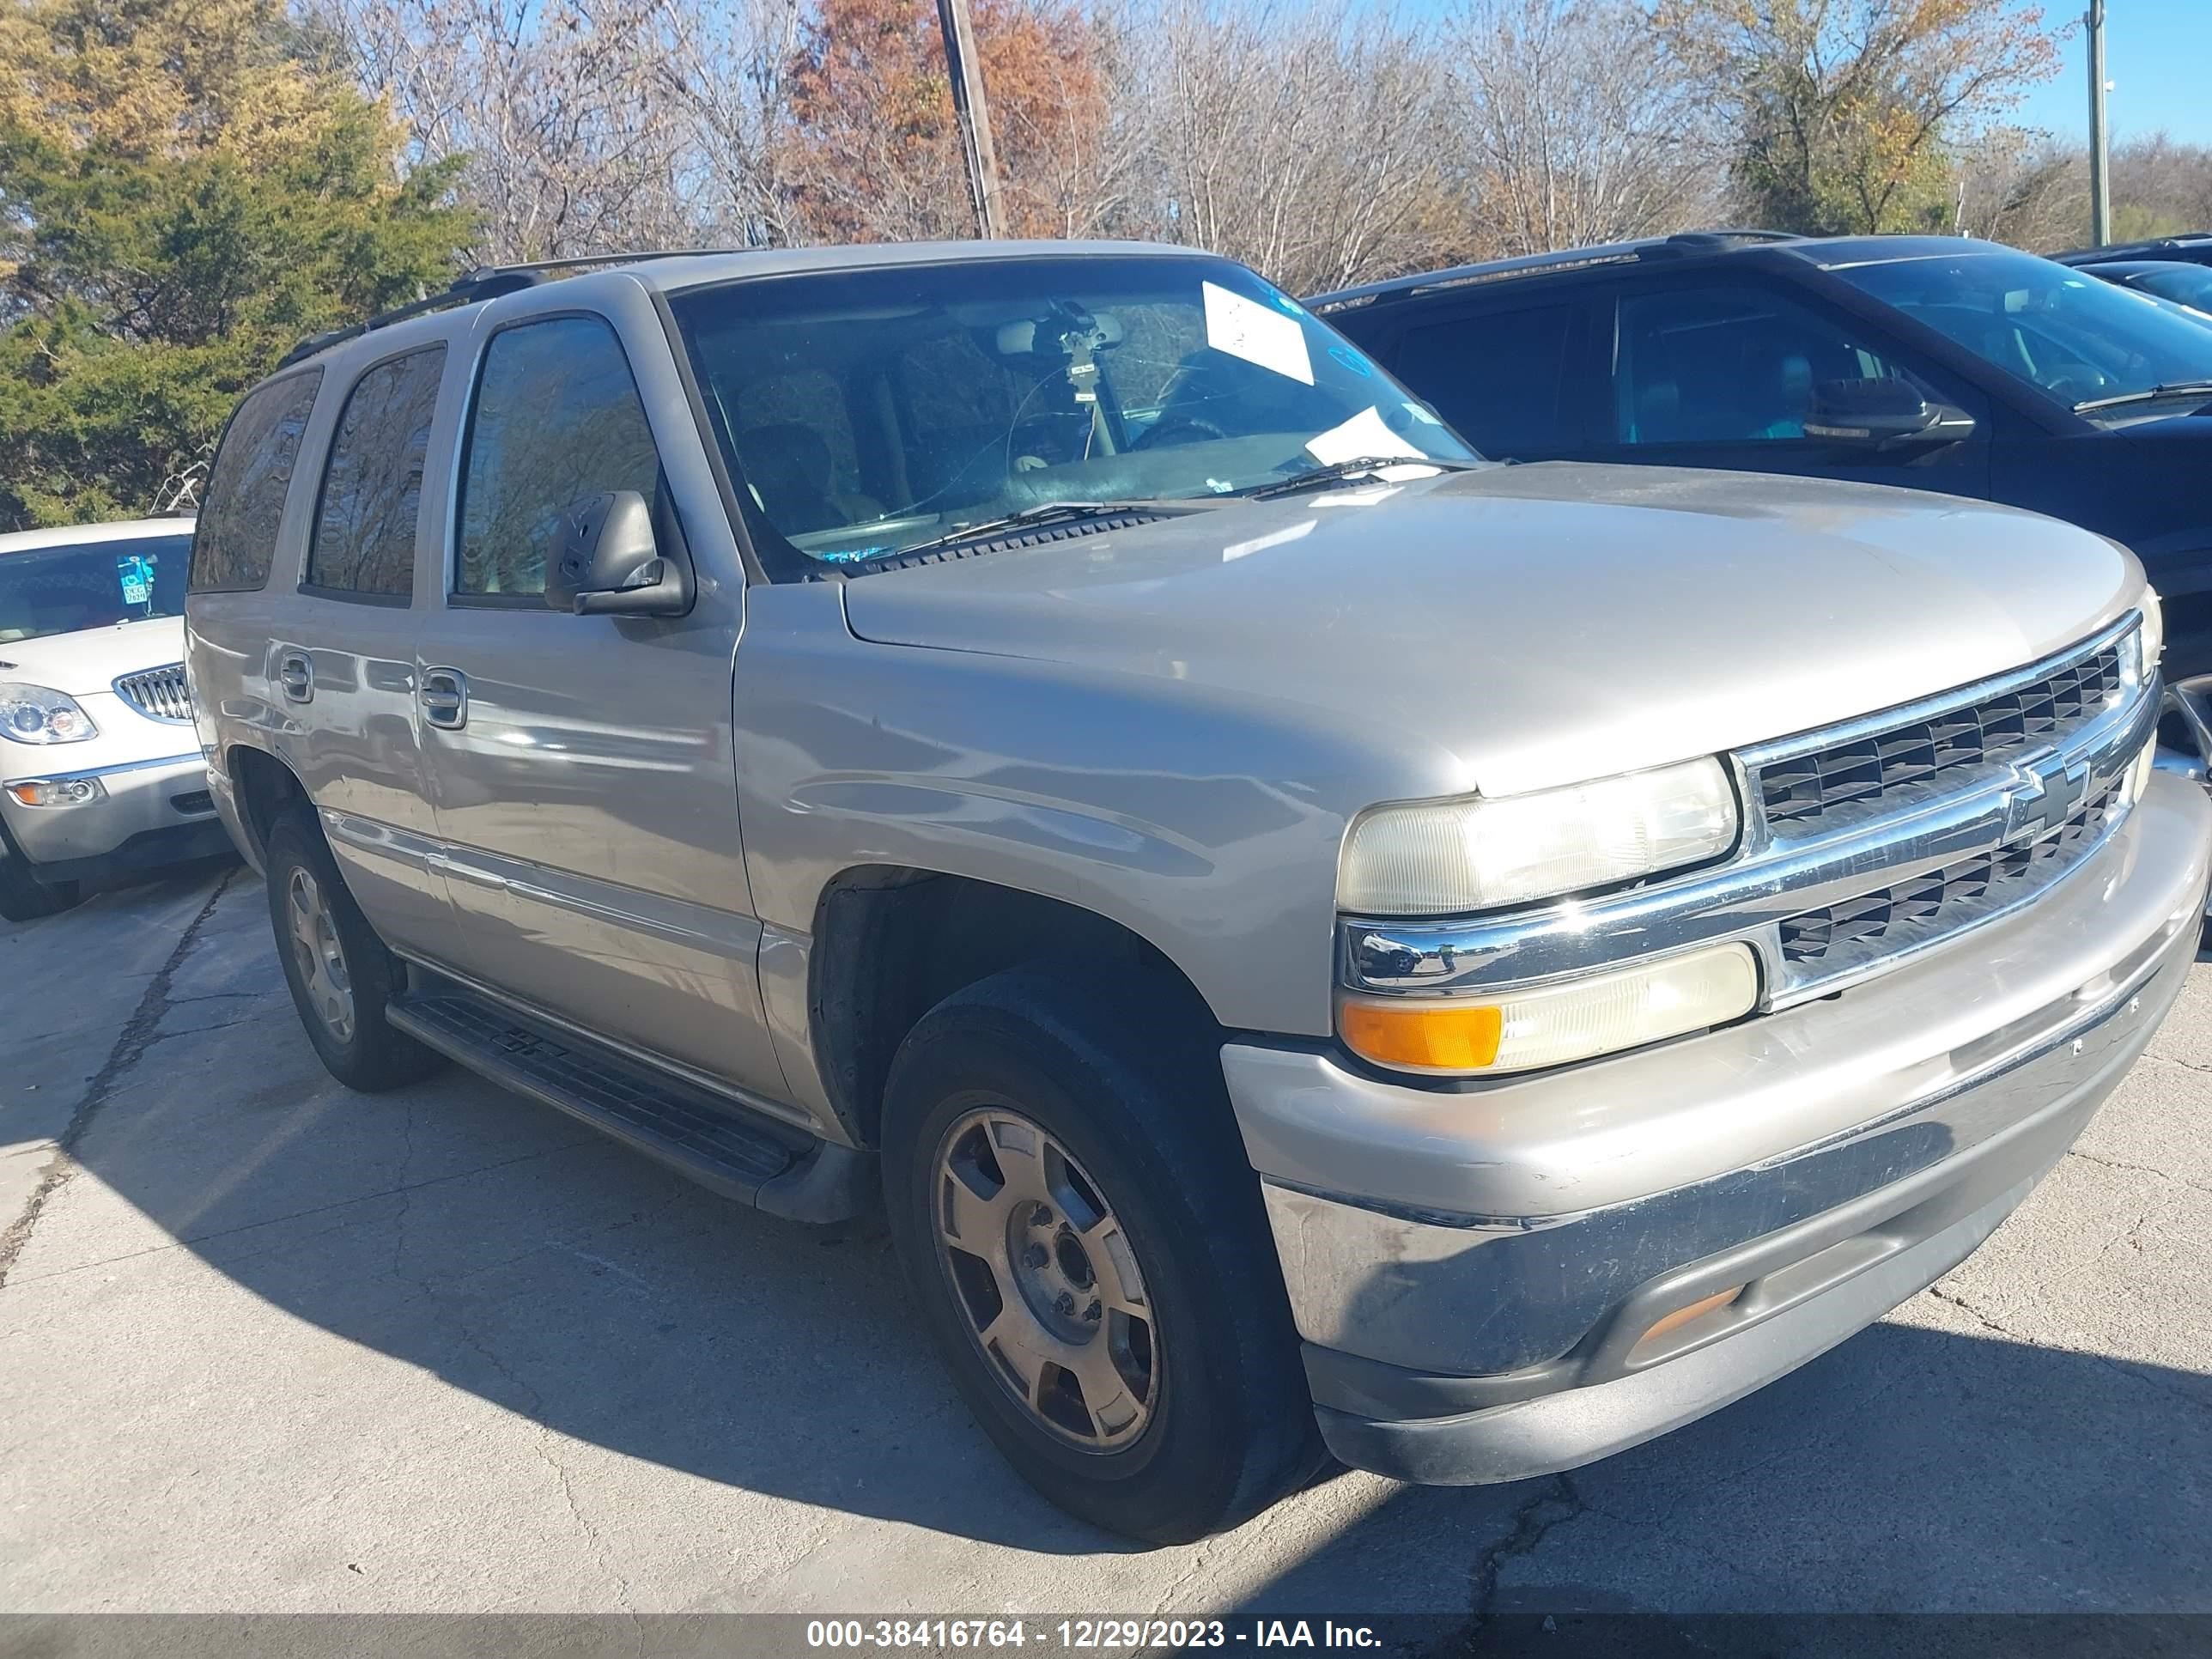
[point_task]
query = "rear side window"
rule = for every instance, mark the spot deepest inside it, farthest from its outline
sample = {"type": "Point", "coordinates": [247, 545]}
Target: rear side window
{"type": "Point", "coordinates": [237, 531]}
{"type": "Point", "coordinates": [1500, 379]}
{"type": "Point", "coordinates": [557, 418]}
{"type": "Point", "coordinates": [364, 540]}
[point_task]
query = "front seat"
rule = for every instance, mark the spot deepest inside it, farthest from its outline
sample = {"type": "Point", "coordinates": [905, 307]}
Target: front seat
{"type": "Point", "coordinates": [793, 478]}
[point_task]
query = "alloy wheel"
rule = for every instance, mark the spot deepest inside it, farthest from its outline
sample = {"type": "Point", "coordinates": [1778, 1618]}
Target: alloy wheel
{"type": "Point", "coordinates": [1045, 1274]}
{"type": "Point", "coordinates": [321, 958]}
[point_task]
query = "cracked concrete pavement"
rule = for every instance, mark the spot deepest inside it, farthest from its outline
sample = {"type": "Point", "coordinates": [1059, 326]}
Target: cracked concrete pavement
{"type": "Point", "coordinates": [268, 1345]}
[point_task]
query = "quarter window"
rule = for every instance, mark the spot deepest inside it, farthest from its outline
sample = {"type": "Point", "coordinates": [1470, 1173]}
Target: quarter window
{"type": "Point", "coordinates": [237, 531]}
{"type": "Point", "coordinates": [372, 497]}
{"type": "Point", "coordinates": [557, 418]}
{"type": "Point", "coordinates": [1728, 366]}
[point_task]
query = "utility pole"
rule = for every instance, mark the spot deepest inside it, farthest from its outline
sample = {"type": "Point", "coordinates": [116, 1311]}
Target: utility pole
{"type": "Point", "coordinates": [2101, 189]}
{"type": "Point", "coordinates": [965, 70]}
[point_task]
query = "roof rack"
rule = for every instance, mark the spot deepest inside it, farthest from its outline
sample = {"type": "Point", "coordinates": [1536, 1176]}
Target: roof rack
{"type": "Point", "coordinates": [1488, 270]}
{"type": "Point", "coordinates": [1700, 242]}
{"type": "Point", "coordinates": [2083, 256]}
{"type": "Point", "coordinates": [488, 282]}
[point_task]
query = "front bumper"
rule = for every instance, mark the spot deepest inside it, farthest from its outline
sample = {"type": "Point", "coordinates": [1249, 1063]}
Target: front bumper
{"type": "Point", "coordinates": [1477, 1271]}
{"type": "Point", "coordinates": [148, 813]}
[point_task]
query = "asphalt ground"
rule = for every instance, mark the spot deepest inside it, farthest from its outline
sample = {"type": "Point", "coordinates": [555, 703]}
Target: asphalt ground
{"type": "Point", "coordinates": [267, 1346]}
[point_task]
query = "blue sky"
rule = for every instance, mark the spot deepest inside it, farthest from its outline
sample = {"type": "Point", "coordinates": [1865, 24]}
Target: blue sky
{"type": "Point", "coordinates": [2157, 53]}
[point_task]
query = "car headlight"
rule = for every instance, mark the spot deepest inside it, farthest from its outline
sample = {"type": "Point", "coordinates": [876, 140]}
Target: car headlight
{"type": "Point", "coordinates": [2151, 636]}
{"type": "Point", "coordinates": [1551, 1024]}
{"type": "Point", "coordinates": [1438, 858]}
{"type": "Point", "coordinates": [32, 714]}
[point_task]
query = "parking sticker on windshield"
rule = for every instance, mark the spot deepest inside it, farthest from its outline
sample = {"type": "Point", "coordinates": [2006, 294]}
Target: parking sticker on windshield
{"type": "Point", "coordinates": [134, 573]}
{"type": "Point", "coordinates": [1245, 329]}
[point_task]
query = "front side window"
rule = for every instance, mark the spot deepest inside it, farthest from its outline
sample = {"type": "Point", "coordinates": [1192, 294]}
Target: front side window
{"type": "Point", "coordinates": [237, 533]}
{"type": "Point", "coordinates": [67, 589]}
{"type": "Point", "coordinates": [1728, 365]}
{"type": "Point", "coordinates": [1501, 378]}
{"type": "Point", "coordinates": [557, 419]}
{"type": "Point", "coordinates": [372, 497]}
{"type": "Point", "coordinates": [868, 411]}
{"type": "Point", "coordinates": [2076, 337]}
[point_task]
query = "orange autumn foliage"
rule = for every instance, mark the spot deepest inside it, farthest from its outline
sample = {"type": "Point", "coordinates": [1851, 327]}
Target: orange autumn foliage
{"type": "Point", "coordinates": [871, 151]}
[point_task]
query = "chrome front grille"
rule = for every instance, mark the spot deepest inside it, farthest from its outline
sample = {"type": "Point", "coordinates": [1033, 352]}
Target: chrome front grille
{"type": "Point", "coordinates": [1868, 775]}
{"type": "Point", "coordinates": [159, 694]}
{"type": "Point", "coordinates": [1863, 843]}
{"type": "Point", "coordinates": [1867, 927]}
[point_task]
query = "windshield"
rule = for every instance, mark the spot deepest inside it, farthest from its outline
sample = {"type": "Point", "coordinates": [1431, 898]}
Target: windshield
{"type": "Point", "coordinates": [64, 589]}
{"type": "Point", "coordinates": [2076, 336]}
{"type": "Point", "coordinates": [869, 411]}
{"type": "Point", "coordinates": [2185, 284]}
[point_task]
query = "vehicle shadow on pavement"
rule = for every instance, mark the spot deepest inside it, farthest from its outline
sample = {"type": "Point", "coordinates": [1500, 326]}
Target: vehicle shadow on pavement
{"type": "Point", "coordinates": [1911, 1469]}
{"type": "Point", "coordinates": [515, 1255]}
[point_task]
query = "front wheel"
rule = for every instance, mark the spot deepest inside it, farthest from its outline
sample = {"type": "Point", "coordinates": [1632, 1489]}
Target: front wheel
{"type": "Point", "coordinates": [1085, 1240]}
{"type": "Point", "coordinates": [341, 977]}
{"type": "Point", "coordinates": [24, 897]}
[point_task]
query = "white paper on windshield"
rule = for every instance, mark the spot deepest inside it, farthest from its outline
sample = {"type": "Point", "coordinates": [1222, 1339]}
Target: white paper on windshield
{"type": "Point", "coordinates": [1257, 333]}
{"type": "Point", "coordinates": [1364, 437]}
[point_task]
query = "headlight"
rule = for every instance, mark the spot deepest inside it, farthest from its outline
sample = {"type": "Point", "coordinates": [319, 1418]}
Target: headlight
{"type": "Point", "coordinates": [2153, 632]}
{"type": "Point", "coordinates": [32, 713]}
{"type": "Point", "coordinates": [1437, 857]}
{"type": "Point", "coordinates": [1551, 1024]}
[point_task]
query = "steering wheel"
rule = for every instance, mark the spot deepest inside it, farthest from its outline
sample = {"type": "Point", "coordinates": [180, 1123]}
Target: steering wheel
{"type": "Point", "coordinates": [1184, 428]}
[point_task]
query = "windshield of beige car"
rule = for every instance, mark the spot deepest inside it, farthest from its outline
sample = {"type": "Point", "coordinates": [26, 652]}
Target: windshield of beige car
{"type": "Point", "coordinates": [64, 589]}
{"type": "Point", "coordinates": [870, 412]}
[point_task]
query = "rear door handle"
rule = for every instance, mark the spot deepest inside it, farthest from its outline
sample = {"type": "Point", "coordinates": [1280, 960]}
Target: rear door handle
{"type": "Point", "coordinates": [445, 697]}
{"type": "Point", "coordinates": [296, 673]}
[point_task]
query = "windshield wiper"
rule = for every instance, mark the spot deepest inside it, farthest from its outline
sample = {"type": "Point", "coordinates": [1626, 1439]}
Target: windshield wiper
{"type": "Point", "coordinates": [1042, 513]}
{"type": "Point", "coordinates": [1356, 466]}
{"type": "Point", "coordinates": [2170, 389]}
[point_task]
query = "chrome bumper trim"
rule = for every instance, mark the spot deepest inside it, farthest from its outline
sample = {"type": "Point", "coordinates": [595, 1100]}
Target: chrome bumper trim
{"type": "Point", "coordinates": [105, 771]}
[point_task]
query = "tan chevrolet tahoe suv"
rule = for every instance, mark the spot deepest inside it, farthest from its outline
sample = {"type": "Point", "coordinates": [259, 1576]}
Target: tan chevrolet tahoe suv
{"type": "Point", "coordinates": [1314, 940]}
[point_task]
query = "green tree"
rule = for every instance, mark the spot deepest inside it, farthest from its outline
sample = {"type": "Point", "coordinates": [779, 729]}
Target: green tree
{"type": "Point", "coordinates": [1844, 109]}
{"type": "Point", "coordinates": [187, 188]}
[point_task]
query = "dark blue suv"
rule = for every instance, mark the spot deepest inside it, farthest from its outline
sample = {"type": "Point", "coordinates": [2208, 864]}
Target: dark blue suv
{"type": "Point", "coordinates": [1931, 363]}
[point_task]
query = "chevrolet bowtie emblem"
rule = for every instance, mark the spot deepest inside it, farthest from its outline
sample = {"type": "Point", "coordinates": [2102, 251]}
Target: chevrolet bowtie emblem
{"type": "Point", "coordinates": [2048, 791]}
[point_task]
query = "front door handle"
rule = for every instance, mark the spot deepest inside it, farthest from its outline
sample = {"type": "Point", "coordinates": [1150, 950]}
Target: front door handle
{"type": "Point", "coordinates": [445, 698]}
{"type": "Point", "coordinates": [296, 673]}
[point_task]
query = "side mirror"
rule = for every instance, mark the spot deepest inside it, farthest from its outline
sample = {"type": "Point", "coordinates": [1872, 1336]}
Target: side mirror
{"type": "Point", "coordinates": [1882, 414]}
{"type": "Point", "coordinates": [610, 562]}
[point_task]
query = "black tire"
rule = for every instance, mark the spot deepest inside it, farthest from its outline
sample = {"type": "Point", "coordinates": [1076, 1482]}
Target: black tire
{"type": "Point", "coordinates": [371, 1056]}
{"type": "Point", "coordinates": [1143, 1112]}
{"type": "Point", "coordinates": [23, 896]}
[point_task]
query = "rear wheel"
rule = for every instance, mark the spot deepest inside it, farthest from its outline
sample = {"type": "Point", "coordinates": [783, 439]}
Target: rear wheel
{"type": "Point", "coordinates": [341, 977]}
{"type": "Point", "coordinates": [1085, 1239]}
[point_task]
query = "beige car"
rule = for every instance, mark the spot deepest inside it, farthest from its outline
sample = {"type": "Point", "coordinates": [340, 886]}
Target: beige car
{"type": "Point", "coordinates": [101, 771]}
{"type": "Point", "coordinates": [1317, 943]}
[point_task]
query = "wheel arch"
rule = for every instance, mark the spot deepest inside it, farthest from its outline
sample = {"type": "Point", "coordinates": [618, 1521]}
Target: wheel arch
{"type": "Point", "coordinates": [892, 941]}
{"type": "Point", "coordinates": [263, 788]}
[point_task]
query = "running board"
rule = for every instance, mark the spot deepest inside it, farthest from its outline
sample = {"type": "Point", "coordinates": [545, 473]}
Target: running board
{"type": "Point", "coordinates": [772, 1167]}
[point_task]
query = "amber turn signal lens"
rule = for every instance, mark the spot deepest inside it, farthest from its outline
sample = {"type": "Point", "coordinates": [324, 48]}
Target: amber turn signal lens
{"type": "Point", "coordinates": [1427, 1035]}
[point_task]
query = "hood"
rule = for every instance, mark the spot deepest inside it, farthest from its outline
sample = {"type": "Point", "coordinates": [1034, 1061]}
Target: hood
{"type": "Point", "coordinates": [91, 661]}
{"type": "Point", "coordinates": [1545, 623]}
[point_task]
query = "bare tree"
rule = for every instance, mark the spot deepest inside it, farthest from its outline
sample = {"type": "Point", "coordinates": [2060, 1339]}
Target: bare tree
{"type": "Point", "coordinates": [1573, 126]}
{"type": "Point", "coordinates": [1305, 143]}
{"type": "Point", "coordinates": [2020, 186]}
{"type": "Point", "coordinates": [725, 68]}
{"type": "Point", "coordinates": [562, 107]}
